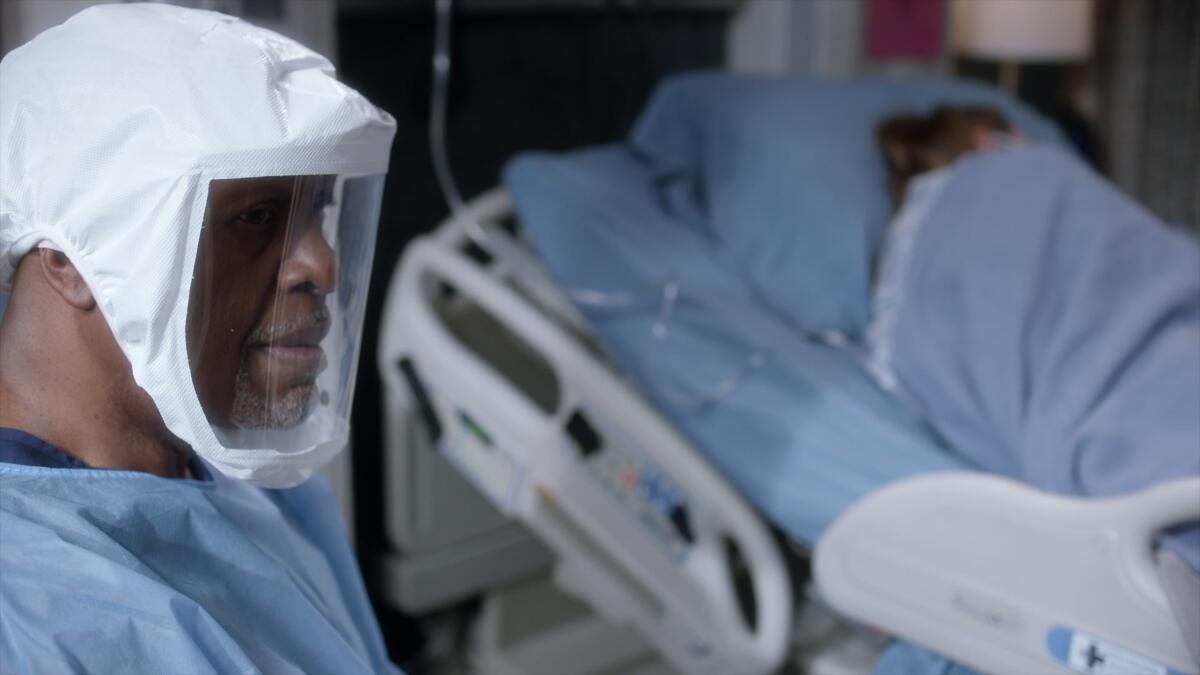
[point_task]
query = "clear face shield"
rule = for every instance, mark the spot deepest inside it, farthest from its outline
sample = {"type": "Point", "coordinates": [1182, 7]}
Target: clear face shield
{"type": "Point", "coordinates": [276, 307]}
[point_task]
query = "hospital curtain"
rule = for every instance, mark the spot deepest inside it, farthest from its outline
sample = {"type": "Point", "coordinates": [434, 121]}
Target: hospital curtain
{"type": "Point", "coordinates": [1148, 80]}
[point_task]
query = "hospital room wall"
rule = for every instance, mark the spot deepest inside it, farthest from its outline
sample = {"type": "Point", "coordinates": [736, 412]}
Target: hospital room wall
{"type": "Point", "coordinates": [815, 37]}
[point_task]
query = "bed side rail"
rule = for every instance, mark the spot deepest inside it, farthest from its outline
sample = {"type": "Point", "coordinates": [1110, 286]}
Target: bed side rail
{"type": "Point", "coordinates": [1006, 578]}
{"type": "Point", "coordinates": [643, 529]}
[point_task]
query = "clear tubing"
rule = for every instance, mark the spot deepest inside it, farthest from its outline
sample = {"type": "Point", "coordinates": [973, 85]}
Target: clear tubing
{"type": "Point", "coordinates": [669, 291]}
{"type": "Point", "coordinates": [437, 126]}
{"type": "Point", "coordinates": [445, 176]}
{"type": "Point", "coordinates": [660, 331]}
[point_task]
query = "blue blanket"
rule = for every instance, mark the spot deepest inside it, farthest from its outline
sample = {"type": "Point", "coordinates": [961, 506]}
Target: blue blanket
{"type": "Point", "coordinates": [1049, 329]}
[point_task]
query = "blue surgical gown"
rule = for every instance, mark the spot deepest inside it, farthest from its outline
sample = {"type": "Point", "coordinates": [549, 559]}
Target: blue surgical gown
{"type": "Point", "coordinates": [107, 571]}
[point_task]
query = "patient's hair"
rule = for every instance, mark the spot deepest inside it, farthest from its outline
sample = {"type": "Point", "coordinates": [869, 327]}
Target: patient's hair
{"type": "Point", "coordinates": [913, 144]}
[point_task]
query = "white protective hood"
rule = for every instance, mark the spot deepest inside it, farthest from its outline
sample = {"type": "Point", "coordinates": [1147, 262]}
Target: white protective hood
{"type": "Point", "coordinates": [113, 125]}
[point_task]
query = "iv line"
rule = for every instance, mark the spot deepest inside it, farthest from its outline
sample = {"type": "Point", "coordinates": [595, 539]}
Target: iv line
{"type": "Point", "coordinates": [670, 290]}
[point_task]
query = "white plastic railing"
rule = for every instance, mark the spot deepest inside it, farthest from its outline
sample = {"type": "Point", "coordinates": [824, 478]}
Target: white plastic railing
{"type": "Point", "coordinates": [679, 595]}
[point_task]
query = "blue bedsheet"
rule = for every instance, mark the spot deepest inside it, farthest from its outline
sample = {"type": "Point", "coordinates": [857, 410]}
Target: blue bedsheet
{"type": "Point", "coordinates": [804, 436]}
{"type": "Point", "coordinates": [1053, 338]}
{"type": "Point", "coordinates": [763, 198]}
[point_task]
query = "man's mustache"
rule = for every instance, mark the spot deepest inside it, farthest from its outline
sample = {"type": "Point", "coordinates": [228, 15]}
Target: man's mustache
{"type": "Point", "coordinates": [274, 332]}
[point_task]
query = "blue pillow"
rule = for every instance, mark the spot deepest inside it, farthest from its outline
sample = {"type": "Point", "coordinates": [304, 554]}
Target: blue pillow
{"type": "Point", "coordinates": [596, 219]}
{"type": "Point", "coordinates": [786, 180]}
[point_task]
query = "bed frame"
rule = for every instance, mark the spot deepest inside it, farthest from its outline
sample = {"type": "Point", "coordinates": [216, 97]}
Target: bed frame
{"type": "Point", "coordinates": [992, 573]}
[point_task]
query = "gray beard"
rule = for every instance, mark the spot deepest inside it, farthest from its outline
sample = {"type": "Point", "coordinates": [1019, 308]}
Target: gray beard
{"type": "Point", "coordinates": [252, 410]}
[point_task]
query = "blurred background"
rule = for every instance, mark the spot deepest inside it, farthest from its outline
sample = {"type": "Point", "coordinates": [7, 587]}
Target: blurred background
{"type": "Point", "coordinates": [1122, 80]}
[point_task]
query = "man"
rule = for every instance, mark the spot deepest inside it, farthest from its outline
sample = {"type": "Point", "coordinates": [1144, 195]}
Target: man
{"type": "Point", "coordinates": [188, 208]}
{"type": "Point", "coordinates": [256, 367]}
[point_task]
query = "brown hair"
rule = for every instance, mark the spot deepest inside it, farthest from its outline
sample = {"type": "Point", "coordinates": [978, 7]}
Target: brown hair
{"type": "Point", "coordinates": [913, 144]}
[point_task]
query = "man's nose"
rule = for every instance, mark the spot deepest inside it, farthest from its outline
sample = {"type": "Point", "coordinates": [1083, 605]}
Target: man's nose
{"type": "Point", "coordinates": [310, 265]}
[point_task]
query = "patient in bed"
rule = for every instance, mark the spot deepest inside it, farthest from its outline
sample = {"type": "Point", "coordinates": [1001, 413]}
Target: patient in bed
{"type": "Point", "coordinates": [916, 149]}
{"type": "Point", "coordinates": [915, 144]}
{"type": "Point", "coordinates": [1050, 338]}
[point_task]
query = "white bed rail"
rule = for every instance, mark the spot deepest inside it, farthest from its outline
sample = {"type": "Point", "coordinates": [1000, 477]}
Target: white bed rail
{"type": "Point", "coordinates": [644, 530]}
{"type": "Point", "coordinates": [1009, 579]}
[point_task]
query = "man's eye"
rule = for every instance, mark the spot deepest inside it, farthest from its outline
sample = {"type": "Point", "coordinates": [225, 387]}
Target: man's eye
{"type": "Point", "coordinates": [262, 215]}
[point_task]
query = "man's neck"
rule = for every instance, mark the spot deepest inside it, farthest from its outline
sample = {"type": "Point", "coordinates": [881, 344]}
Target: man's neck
{"type": "Point", "coordinates": [60, 395]}
{"type": "Point", "coordinates": [87, 432]}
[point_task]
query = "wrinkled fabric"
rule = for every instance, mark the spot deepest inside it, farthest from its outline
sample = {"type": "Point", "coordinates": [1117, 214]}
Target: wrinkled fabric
{"type": "Point", "coordinates": [895, 253]}
{"type": "Point", "coordinates": [804, 436]}
{"type": "Point", "coordinates": [901, 658]}
{"type": "Point", "coordinates": [118, 571]}
{"type": "Point", "coordinates": [786, 178]}
{"type": "Point", "coordinates": [1049, 329]}
{"type": "Point", "coordinates": [18, 447]}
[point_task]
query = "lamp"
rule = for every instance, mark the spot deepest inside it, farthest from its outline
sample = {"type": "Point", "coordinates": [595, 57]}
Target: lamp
{"type": "Point", "coordinates": [1012, 31]}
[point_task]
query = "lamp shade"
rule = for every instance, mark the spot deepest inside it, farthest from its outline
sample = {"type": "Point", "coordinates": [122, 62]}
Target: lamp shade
{"type": "Point", "coordinates": [1023, 30]}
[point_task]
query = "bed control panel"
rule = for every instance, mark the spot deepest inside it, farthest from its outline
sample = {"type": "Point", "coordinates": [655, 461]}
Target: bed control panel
{"type": "Point", "coordinates": [636, 483]}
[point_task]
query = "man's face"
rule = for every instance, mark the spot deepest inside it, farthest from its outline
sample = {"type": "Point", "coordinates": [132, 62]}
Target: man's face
{"type": "Point", "coordinates": [257, 309]}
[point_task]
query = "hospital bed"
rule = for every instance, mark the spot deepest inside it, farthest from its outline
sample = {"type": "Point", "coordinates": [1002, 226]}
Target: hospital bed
{"type": "Point", "coordinates": [509, 382]}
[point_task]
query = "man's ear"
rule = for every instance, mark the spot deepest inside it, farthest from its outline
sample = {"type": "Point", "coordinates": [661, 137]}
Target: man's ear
{"type": "Point", "coordinates": [66, 280]}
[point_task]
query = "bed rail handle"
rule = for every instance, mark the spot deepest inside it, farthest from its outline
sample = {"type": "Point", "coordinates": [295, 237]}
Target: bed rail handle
{"type": "Point", "coordinates": [756, 644]}
{"type": "Point", "coordinates": [1003, 576]}
{"type": "Point", "coordinates": [1143, 516]}
{"type": "Point", "coordinates": [429, 257]}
